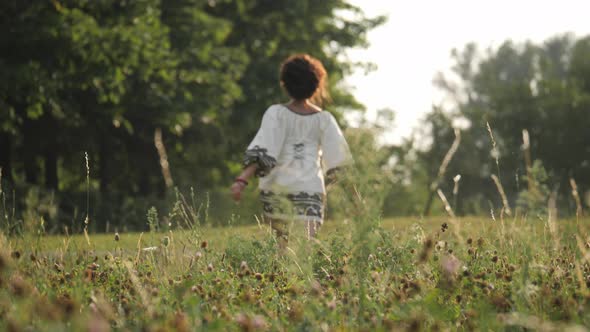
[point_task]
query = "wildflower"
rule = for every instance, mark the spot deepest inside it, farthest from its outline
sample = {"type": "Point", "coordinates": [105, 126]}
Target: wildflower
{"type": "Point", "coordinates": [198, 255]}
{"type": "Point", "coordinates": [253, 323]}
{"type": "Point", "coordinates": [204, 244]}
{"type": "Point", "coordinates": [450, 266]}
{"type": "Point", "coordinates": [98, 323]}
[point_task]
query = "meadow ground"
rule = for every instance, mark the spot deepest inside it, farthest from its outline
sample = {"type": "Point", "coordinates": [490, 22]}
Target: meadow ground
{"type": "Point", "coordinates": [396, 274]}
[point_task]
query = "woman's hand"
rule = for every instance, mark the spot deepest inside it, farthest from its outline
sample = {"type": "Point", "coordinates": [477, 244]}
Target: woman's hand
{"type": "Point", "coordinates": [242, 181]}
{"type": "Point", "coordinates": [236, 190]}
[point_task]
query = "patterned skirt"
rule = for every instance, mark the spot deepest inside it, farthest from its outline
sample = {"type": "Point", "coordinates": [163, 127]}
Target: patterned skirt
{"type": "Point", "coordinates": [293, 206]}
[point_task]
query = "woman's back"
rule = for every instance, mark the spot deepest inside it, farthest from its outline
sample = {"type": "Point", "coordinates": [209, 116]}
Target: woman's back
{"type": "Point", "coordinates": [298, 164]}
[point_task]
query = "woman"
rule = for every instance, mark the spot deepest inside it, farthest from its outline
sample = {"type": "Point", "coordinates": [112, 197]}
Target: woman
{"type": "Point", "coordinates": [287, 153]}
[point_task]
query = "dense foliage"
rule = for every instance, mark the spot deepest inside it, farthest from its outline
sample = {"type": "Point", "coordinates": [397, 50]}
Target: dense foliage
{"type": "Point", "coordinates": [116, 79]}
{"type": "Point", "coordinates": [109, 108]}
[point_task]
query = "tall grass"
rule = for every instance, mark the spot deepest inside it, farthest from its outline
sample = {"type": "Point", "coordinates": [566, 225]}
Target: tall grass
{"type": "Point", "coordinates": [363, 272]}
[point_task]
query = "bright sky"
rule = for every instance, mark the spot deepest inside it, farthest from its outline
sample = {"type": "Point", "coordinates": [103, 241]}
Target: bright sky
{"type": "Point", "coordinates": [416, 42]}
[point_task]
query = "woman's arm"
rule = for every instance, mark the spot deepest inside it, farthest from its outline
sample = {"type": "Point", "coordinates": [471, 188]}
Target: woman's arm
{"type": "Point", "coordinates": [242, 181]}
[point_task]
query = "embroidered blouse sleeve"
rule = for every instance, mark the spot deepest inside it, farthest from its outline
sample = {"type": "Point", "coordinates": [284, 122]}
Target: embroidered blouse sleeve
{"type": "Point", "coordinates": [335, 150]}
{"type": "Point", "coordinates": [266, 146]}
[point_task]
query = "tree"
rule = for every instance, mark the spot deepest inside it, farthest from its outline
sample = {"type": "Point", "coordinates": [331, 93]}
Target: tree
{"type": "Point", "coordinates": [103, 77]}
{"type": "Point", "coordinates": [540, 88]}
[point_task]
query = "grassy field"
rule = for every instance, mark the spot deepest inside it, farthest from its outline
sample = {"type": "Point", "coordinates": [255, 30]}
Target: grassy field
{"type": "Point", "coordinates": [396, 274]}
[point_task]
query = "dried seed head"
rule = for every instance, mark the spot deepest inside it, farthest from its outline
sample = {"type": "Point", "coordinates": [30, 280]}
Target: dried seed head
{"type": "Point", "coordinates": [165, 241]}
{"type": "Point", "coordinates": [181, 322]}
{"type": "Point", "coordinates": [66, 304]}
{"type": "Point", "coordinates": [117, 237]}
{"type": "Point", "coordinates": [415, 325]}
{"type": "Point", "coordinates": [426, 250]}
{"type": "Point", "coordinates": [243, 265]}
{"type": "Point", "coordinates": [204, 244]}
{"type": "Point", "coordinates": [19, 287]}
{"type": "Point", "coordinates": [331, 304]}
{"type": "Point", "coordinates": [375, 276]}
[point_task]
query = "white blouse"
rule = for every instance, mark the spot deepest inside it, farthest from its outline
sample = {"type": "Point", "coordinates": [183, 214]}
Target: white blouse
{"type": "Point", "coordinates": [290, 149]}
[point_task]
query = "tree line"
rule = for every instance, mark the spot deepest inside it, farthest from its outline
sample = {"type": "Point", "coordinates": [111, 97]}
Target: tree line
{"type": "Point", "coordinates": [523, 110]}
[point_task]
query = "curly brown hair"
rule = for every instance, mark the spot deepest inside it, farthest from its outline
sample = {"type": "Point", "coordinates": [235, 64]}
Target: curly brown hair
{"type": "Point", "coordinates": [304, 77]}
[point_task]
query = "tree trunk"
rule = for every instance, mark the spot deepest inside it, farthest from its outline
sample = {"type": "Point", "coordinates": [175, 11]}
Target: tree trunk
{"type": "Point", "coordinates": [6, 157]}
{"type": "Point", "coordinates": [104, 159]}
{"type": "Point", "coordinates": [50, 151]}
{"type": "Point", "coordinates": [428, 204]}
{"type": "Point", "coordinates": [51, 178]}
{"type": "Point", "coordinates": [30, 150]}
